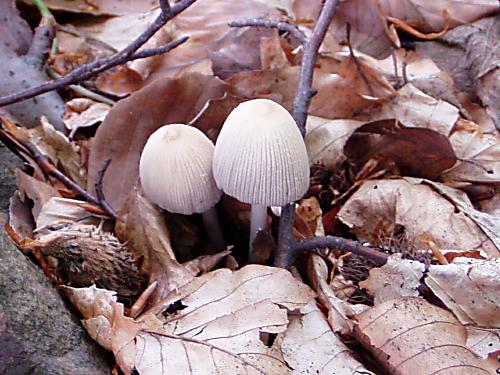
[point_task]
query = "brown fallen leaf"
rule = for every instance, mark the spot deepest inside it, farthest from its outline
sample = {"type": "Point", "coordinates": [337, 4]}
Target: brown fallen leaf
{"type": "Point", "coordinates": [135, 119]}
{"type": "Point", "coordinates": [468, 53]}
{"type": "Point", "coordinates": [397, 278]}
{"type": "Point", "coordinates": [325, 140]}
{"type": "Point", "coordinates": [380, 207]}
{"type": "Point", "coordinates": [82, 113]}
{"type": "Point", "coordinates": [219, 320]}
{"type": "Point", "coordinates": [411, 336]}
{"type": "Point", "coordinates": [37, 191]}
{"type": "Point", "coordinates": [336, 97]}
{"type": "Point", "coordinates": [58, 209]}
{"type": "Point", "coordinates": [310, 346]}
{"type": "Point", "coordinates": [340, 313]}
{"type": "Point", "coordinates": [469, 288]}
{"type": "Point", "coordinates": [100, 7]}
{"type": "Point", "coordinates": [415, 152]}
{"type": "Point", "coordinates": [483, 341]}
{"type": "Point", "coordinates": [142, 226]}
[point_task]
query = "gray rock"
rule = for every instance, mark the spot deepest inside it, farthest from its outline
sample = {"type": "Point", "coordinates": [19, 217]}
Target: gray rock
{"type": "Point", "coordinates": [38, 334]}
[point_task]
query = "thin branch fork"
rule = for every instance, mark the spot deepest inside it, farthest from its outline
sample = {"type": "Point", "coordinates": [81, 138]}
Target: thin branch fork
{"type": "Point", "coordinates": [127, 54]}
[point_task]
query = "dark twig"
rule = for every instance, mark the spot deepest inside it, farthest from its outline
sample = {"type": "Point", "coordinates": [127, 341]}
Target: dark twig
{"type": "Point", "coordinates": [98, 190]}
{"type": "Point", "coordinates": [280, 26]}
{"type": "Point", "coordinates": [359, 68]}
{"type": "Point", "coordinates": [98, 66]}
{"type": "Point", "coordinates": [346, 246]}
{"type": "Point", "coordinates": [49, 168]}
{"type": "Point", "coordinates": [311, 47]}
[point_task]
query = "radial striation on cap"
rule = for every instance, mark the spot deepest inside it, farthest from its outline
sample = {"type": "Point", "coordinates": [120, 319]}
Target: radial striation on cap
{"type": "Point", "coordinates": [260, 156]}
{"type": "Point", "coordinates": [176, 170]}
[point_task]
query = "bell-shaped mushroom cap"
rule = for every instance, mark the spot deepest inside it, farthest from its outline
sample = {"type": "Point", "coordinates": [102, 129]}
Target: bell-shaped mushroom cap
{"type": "Point", "coordinates": [260, 156]}
{"type": "Point", "coordinates": [176, 170]}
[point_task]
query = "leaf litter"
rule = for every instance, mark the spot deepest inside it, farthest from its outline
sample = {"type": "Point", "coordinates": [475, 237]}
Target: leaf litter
{"type": "Point", "coordinates": [406, 158]}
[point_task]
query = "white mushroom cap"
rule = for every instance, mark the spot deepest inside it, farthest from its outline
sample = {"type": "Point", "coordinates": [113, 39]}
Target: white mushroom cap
{"type": "Point", "coordinates": [176, 170]}
{"type": "Point", "coordinates": [260, 156]}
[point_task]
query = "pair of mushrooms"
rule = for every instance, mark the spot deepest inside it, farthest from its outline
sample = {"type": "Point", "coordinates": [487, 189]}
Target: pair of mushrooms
{"type": "Point", "coordinates": [260, 158]}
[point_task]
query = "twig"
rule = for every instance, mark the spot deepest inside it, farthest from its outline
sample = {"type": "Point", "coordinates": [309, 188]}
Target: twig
{"type": "Point", "coordinates": [98, 66]}
{"type": "Point", "coordinates": [286, 253]}
{"type": "Point", "coordinates": [346, 246]}
{"type": "Point", "coordinates": [359, 68]}
{"type": "Point", "coordinates": [280, 26]}
{"type": "Point", "coordinates": [98, 190]}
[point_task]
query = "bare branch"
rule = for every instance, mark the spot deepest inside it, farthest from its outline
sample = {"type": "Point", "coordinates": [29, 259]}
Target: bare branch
{"type": "Point", "coordinates": [280, 26]}
{"type": "Point", "coordinates": [379, 258]}
{"type": "Point", "coordinates": [98, 190]}
{"type": "Point", "coordinates": [98, 66]}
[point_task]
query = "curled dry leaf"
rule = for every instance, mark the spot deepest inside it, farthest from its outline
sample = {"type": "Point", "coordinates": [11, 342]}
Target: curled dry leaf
{"type": "Point", "coordinates": [325, 140]}
{"type": "Point", "coordinates": [336, 97]}
{"type": "Point", "coordinates": [414, 151]}
{"type": "Point", "coordinates": [469, 288]}
{"type": "Point", "coordinates": [411, 336]}
{"type": "Point", "coordinates": [310, 346]}
{"type": "Point", "coordinates": [136, 118]}
{"type": "Point", "coordinates": [142, 226]}
{"type": "Point", "coordinates": [480, 153]}
{"type": "Point", "coordinates": [83, 112]}
{"type": "Point", "coordinates": [58, 209]}
{"type": "Point", "coordinates": [39, 192]}
{"type": "Point", "coordinates": [206, 24]}
{"type": "Point", "coordinates": [415, 109]}
{"type": "Point", "coordinates": [471, 56]}
{"type": "Point", "coordinates": [219, 320]}
{"type": "Point", "coordinates": [483, 341]}
{"type": "Point", "coordinates": [397, 278]}
{"type": "Point", "coordinates": [340, 313]}
{"type": "Point", "coordinates": [101, 7]}
{"type": "Point", "coordinates": [381, 207]}
{"type": "Point", "coordinates": [489, 223]}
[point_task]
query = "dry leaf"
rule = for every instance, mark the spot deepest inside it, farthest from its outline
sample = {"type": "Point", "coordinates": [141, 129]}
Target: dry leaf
{"type": "Point", "coordinates": [480, 154]}
{"type": "Point", "coordinates": [414, 151]}
{"type": "Point", "coordinates": [489, 223]}
{"type": "Point", "coordinates": [101, 7]}
{"type": "Point", "coordinates": [142, 226]}
{"type": "Point", "coordinates": [397, 278]}
{"type": "Point", "coordinates": [469, 288]}
{"type": "Point", "coordinates": [411, 336]}
{"type": "Point", "coordinates": [219, 320]}
{"type": "Point", "coordinates": [83, 112]}
{"type": "Point", "coordinates": [483, 341]}
{"type": "Point", "coordinates": [58, 209]}
{"type": "Point", "coordinates": [340, 313]}
{"type": "Point", "coordinates": [325, 140]}
{"type": "Point", "coordinates": [310, 346]}
{"type": "Point", "coordinates": [381, 207]}
{"type": "Point", "coordinates": [470, 55]}
{"type": "Point", "coordinates": [336, 97]}
{"type": "Point", "coordinates": [39, 192]}
{"type": "Point", "coordinates": [135, 119]}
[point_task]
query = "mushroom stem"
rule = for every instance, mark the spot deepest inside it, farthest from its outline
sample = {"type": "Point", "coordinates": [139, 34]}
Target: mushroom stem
{"type": "Point", "coordinates": [213, 229]}
{"type": "Point", "coordinates": [258, 221]}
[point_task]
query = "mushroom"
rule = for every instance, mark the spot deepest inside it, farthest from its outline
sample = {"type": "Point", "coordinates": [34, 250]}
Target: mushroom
{"type": "Point", "coordinates": [176, 174]}
{"type": "Point", "coordinates": [260, 158]}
